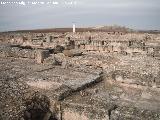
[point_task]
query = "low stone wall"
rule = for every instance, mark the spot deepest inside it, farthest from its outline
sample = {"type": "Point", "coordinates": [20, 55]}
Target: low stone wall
{"type": "Point", "coordinates": [24, 52]}
{"type": "Point", "coordinates": [9, 51]}
{"type": "Point", "coordinates": [135, 78]}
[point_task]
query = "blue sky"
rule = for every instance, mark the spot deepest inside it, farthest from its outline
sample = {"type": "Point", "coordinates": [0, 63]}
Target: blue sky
{"type": "Point", "coordinates": [136, 14]}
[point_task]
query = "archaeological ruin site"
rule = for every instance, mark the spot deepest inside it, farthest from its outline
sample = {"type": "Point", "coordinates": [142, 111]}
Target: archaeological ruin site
{"type": "Point", "coordinates": [82, 75]}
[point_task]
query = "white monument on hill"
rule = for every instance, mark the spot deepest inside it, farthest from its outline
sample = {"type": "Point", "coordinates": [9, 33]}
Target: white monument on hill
{"type": "Point", "coordinates": [74, 28]}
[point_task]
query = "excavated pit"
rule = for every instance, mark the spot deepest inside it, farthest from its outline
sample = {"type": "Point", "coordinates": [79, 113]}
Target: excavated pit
{"type": "Point", "coordinates": [38, 108]}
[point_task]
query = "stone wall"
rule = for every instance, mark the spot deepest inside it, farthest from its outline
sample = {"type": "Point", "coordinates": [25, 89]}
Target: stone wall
{"type": "Point", "coordinates": [17, 52]}
{"type": "Point", "coordinates": [90, 41]}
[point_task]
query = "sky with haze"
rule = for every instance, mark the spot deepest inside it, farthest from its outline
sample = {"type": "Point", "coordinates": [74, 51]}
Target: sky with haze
{"type": "Point", "coordinates": [136, 14]}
